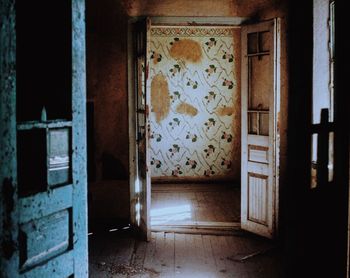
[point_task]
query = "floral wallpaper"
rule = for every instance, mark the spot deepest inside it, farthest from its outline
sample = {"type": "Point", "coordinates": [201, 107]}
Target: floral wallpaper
{"type": "Point", "coordinates": [197, 136]}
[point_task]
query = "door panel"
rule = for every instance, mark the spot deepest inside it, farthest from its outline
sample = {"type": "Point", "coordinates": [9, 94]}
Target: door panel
{"type": "Point", "coordinates": [257, 201]}
{"type": "Point", "coordinates": [46, 229]}
{"type": "Point", "coordinates": [35, 250]}
{"type": "Point", "coordinates": [140, 180]}
{"type": "Point", "coordinates": [260, 105]}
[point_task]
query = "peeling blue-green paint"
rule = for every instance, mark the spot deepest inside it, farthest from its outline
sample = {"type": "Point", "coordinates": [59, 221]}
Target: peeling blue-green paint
{"type": "Point", "coordinates": [8, 171]}
{"type": "Point", "coordinates": [8, 245]}
{"type": "Point", "coordinates": [62, 252]}
{"type": "Point", "coordinates": [79, 141]}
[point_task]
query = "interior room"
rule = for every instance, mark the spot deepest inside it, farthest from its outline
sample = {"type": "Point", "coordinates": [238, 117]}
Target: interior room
{"type": "Point", "coordinates": [192, 123]}
{"type": "Point", "coordinates": [195, 129]}
{"type": "Point", "coordinates": [194, 139]}
{"type": "Point", "coordinates": [144, 138]}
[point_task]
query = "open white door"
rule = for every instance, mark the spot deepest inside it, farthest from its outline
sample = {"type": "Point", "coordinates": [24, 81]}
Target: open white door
{"type": "Point", "coordinates": [260, 137]}
{"type": "Point", "coordinates": [140, 180]}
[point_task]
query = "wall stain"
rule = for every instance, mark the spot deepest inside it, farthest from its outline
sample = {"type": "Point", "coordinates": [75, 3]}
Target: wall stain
{"type": "Point", "coordinates": [187, 109]}
{"type": "Point", "coordinates": [160, 97]}
{"type": "Point", "coordinates": [187, 50]}
{"type": "Point", "coordinates": [225, 111]}
{"type": "Point", "coordinates": [199, 126]}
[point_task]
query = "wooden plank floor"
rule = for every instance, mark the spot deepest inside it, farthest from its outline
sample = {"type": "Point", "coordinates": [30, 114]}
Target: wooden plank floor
{"type": "Point", "coordinates": [188, 203]}
{"type": "Point", "coordinates": [119, 254]}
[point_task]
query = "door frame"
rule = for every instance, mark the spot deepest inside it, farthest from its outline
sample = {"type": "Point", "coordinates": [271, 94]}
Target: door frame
{"type": "Point", "coordinates": [171, 20]}
{"type": "Point", "coordinates": [133, 147]}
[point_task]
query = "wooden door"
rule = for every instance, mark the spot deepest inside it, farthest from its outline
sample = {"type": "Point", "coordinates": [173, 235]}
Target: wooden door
{"type": "Point", "coordinates": [260, 138]}
{"type": "Point", "coordinates": [140, 180]}
{"type": "Point", "coordinates": [43, 144]}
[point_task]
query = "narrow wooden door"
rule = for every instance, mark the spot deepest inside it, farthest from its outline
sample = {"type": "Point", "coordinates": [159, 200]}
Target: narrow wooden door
{"type": "Point", "coordinates": [140, 180]}
{"type": "Point", "coordinates": [43, 143]}
{"type": "Point", "coordinates": [260, 138]}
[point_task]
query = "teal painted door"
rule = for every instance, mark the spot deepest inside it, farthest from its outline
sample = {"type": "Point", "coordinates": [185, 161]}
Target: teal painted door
{"type": "Point", "coordinates": [43, 205]}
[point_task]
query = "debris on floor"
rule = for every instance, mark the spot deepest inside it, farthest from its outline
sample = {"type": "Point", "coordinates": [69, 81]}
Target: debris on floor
{"type": "Point", "coordinates": [243, 257]}
{"type": "Point", "coordinates": [126, 269]}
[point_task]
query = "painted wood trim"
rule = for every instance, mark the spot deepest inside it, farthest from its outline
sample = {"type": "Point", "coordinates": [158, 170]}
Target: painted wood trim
{"type": "Point", "coordinates": [265, 24]}
{"type": "Point", "coordinates": [8, 165]}
{"type": "Point", "coordinates": [50, 124]}
{"type": "Point", "coordinates": [202, 224]}
{"type": "Point", "coordinates": [260, 151]}
{"type": "Point", "coordinates": [198, 231]}
{"type": "Point", "coordinates": [147, 197]}
{"type": "Point", "coordinates": [258, 148]}
{"type": "Point", "coordinates": [257, 139]}
{"type": "Point", "coordinates": [244, 128]}
{"type": "Point", "coordinates": [42, 204]}
{"type": "Point", "coordinates": [183, 20]}
{"type": "Point", "coordinates": [175, 180]}
{"type": "Point", "coordinates": [277, 121]}
{"type": "Point", "coordinates": [79, 156]}
{"type": "Point", "coordinates": [193, 187]}
{"type": "Point", "coordinates": [63, 265]}
{"type": "Point", "coordinates": [132, 123]}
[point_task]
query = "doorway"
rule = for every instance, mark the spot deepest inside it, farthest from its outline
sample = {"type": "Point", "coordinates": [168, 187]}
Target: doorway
{"type": "Point", "coordinates": [194, 143]}
{"type": "Point", "coordinates": [188, 124]}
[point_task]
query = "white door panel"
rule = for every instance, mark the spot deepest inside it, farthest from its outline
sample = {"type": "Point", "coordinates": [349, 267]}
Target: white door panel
{"type": "Point", "coordinates": [260, 105]}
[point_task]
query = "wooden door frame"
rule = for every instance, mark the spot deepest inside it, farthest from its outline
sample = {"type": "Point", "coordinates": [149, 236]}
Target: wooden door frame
{"type": "Point", "coordinates": [132, 121]}
{"type": "Point", "coordinates": [133, 148]}
{"type": "Point", "coordinates": [158, 20]}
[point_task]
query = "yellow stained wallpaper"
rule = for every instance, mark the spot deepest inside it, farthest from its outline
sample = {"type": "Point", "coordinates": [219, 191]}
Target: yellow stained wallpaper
{"type": "Point", "coordinates": [195, 102]}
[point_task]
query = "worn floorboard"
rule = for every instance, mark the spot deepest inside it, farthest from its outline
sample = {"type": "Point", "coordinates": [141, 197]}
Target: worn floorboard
{"type": "Point", "coordinates": [178, 203]}
{"type": "Point", "coordinates": [173, 255]}
{"type": "Point", "coordinates": [182, 252]}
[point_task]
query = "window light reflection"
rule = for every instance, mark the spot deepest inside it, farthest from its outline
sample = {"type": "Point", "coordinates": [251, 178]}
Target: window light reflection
{"type": "Point", "coordinates": [138, 213]}
{"type": "Point", "coordinates": [137, 185]}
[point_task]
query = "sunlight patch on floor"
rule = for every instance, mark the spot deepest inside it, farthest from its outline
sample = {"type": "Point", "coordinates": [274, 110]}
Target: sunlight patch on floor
{"type": "Point", "coordinates": [170, 214]}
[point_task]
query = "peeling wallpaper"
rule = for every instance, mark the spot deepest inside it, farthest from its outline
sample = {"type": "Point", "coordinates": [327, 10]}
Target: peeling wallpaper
{"type": "Point", "coordinates": [198, 133]}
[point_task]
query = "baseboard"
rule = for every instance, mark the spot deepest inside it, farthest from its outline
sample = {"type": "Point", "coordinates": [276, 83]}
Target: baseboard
{"type": "Point", "coordinates": [200, 227]}
{"type": "Point", "coordinates": [193, 180]}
